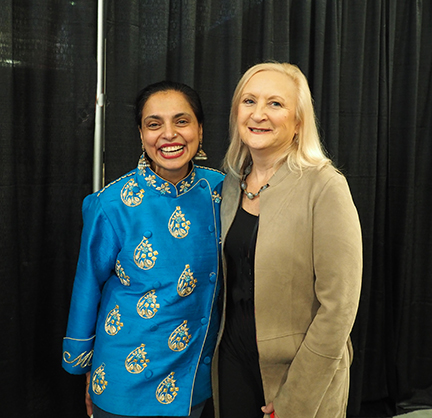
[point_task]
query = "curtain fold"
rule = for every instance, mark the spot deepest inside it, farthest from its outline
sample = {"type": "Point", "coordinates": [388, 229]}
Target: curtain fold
{"type": "Point", "coordinates": [369, 65]}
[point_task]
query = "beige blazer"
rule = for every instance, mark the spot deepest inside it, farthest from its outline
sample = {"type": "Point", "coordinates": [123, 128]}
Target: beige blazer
{"type": "Point", "coordinates": [308, 268]}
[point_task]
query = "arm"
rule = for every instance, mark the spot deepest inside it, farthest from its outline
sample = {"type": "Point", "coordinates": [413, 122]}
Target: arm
{"type": "Point", "coordinates": [99, 247]}
{"type": "Point", "coordinates": [337, 260]}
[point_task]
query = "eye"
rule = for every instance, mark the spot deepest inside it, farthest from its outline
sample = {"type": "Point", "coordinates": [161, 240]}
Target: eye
{"type": "Point", "coordinates": [153, 125]}
{"type": "Point", "coordinates": [248, 101]}
{"type": "Point", "coordinates": [275, 104]}
{"type": "Point", "coordinates": [182, 122]}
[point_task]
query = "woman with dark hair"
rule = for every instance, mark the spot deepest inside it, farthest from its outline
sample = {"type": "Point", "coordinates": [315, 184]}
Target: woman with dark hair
{"type": "Point", "coordinates": [292, 258]}
{"type": "Point", "coordinates": [143, 317]}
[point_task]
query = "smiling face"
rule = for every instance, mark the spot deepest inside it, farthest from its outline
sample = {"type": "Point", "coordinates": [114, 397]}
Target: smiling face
{"type": "Point", "coordinates": [170, 134]}
{"type": "Point", "coordinates": [266, 118]}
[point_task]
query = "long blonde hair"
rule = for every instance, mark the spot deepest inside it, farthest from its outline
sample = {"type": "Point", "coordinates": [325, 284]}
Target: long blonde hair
{"type": "Point", "coordinates": [305, 151]}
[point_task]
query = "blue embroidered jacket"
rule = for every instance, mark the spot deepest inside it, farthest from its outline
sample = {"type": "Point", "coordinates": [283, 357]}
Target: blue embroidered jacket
{"type": "Point", "coordinates": [143, 315]}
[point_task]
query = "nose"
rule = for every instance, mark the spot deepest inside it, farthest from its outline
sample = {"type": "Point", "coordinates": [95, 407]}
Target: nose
{"type": "Point", "coordinates": [170, 132]}
{"type": "Point", "coordinates": [259, 113]}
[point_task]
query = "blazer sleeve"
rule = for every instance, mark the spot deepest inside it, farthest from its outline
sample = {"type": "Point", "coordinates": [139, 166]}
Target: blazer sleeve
{"type": "Point", "coordinates": [337, 261]}
{"type": "Point", "coordinates": [96, 263]}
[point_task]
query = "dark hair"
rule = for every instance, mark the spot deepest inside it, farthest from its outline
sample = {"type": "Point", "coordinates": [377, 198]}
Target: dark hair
{"type": "Point", "coordinates": [188, 92]}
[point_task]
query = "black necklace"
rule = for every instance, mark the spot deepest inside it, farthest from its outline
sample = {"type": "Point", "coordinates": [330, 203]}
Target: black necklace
{"type": "Point", "coordinates": [243, 184]}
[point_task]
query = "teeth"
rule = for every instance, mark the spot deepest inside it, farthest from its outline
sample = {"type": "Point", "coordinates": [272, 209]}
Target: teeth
{"type": "Point", "coordinates": [259, 130]}
{"type": "Point", "coordinates": [172, 149]}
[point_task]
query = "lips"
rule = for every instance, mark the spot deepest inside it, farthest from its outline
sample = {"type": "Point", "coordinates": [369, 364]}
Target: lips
{"type": "Point", "coordinates": [172, 150]}
{"type": "Point", "coordinates": [259, 130]}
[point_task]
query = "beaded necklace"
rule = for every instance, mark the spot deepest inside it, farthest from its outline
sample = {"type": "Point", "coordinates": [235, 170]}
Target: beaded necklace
{"type": "Point", "coordinates": [243, 184]}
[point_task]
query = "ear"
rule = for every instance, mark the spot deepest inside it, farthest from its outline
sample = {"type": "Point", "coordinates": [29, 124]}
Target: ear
{"type": "Point", "coordinates": [200, 133]}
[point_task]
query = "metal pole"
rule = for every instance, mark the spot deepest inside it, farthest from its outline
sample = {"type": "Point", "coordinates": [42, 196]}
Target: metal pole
{"type": "Point", "coordinates": [99, 133]}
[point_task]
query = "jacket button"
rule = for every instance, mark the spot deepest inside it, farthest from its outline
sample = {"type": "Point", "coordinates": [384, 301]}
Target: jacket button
{"type": "Point", "coordinates": [154, 327]}
{"type": "Point", "coordinates": [148, 374]}
{"type": "Point", "coordinates": [212, 278]}
{"type": "Point", "coordinates": [207, 360]}
{"type": "Point", "coordinates": [148, 234]}
{"type": "Point", "coordinates": [203, 184]}
{"type": "Point", "coordinates": [204, 321]}
{"type": "Point", "coordinates": [211, 228]}
{"type": "Point", "coordinates": [156, 285]}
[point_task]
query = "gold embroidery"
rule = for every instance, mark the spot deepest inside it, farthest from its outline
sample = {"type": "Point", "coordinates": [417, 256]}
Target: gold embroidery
{"type": "Point", "coordinates": [112, 322]}
{"type": "Point", "coordinates": [167, 390]}
{"type": "Point", "coordinates": [177, 224]}
{"type": "Point", "coordinates": [114, 182]}
{"type": "Point", "coordinates": [179, 338]}
{"type": "Point", "coordinates": [124, 279]}
{"type": "Point", "coordinates": [136, 361]}
{"type": "Point", "coordinates": [164, 188]}
{"type": "Point", "coordinates": [83, 360]}
{"type": "Point", "coordinates": [184, 185]}
{"type": "Point", "coordinates": [216, 197]}
{"type": "Point", "coordinates": [98, 381]}
{"type": "Point", "coordinates": [144, 256]}
{"type": "Point", "coordinates": [129, 196]}
{"type": "Point", "coordinates": [186, 283]}
{"type": "Point", "coordinates": [147, 306]}
{"type": "Point", "coordinates": [151, 180]}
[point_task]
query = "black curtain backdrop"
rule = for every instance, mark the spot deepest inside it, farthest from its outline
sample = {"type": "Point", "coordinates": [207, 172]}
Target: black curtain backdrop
{"type": "Point", "coordinates": [369, 64]}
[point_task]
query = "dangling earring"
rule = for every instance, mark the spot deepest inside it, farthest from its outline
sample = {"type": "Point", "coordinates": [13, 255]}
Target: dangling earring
{"type": "Point", "coordinates": [143, 162]}
{"type": "Point", "coordinates": [200, 155]}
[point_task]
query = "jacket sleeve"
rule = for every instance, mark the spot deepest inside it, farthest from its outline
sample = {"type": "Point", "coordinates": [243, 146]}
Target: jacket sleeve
{"type": "Point", "coordinates": [96, 262]}
{"type": "Point", "coordinates": [337, 261]}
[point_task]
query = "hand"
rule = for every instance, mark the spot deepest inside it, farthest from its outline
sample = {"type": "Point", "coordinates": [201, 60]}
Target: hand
{"type": "Point", "coordinates": [88, 401]}
{"type": "Point", "coordinates": [269, 409]}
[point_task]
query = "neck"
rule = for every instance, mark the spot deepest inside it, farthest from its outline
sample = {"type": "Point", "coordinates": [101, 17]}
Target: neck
{"type": "Point", "coordinates": [262, 170]}
{"type": "Point", "coordinates": [172, 176]}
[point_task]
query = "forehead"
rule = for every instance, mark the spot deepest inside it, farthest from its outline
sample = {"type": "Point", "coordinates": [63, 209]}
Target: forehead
{"type": "Point", "coordinates": [167, 102]}
{"type": "Point", "coordinates": [271, 83]}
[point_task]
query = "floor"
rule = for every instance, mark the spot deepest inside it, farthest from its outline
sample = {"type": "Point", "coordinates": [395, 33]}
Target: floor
{"type": "Point", "coordinates": [423, 413]}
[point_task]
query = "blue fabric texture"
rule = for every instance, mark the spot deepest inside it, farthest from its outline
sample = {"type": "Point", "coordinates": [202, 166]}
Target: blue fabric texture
{"type": "Point", "coordinates": [143, 315]}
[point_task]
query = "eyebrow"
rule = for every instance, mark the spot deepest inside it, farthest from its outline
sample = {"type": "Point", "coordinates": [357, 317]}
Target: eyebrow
{"type": "Point", "coordinates": [177, 115]}
{"type": "Point", "coordinates": [269, 98]}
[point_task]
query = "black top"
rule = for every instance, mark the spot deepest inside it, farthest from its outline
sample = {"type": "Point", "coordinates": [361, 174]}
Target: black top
{"type": "Point", "coordinates": [240, 334]}
{"type": "Point", "coordinates": [241, 391]}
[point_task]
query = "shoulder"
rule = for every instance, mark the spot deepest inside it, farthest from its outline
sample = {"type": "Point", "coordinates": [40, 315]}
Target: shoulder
{"type": "Point", "coordinates": [326, 176]}
{"type": "Point", "coordinates": [116, 185]}
{"type": "Point", "coordinates": [328, 184]}
{"type": "Point", "coordinates": [212, 175]}
{"type": "Point", "coordinates": [111, 192]}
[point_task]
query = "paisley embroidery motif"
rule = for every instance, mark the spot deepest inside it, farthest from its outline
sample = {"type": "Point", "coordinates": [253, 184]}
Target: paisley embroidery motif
{"type": "Point", "coordinates": [186, 283]}
{"type": "Point", "coordinates": [124, 279]}
{"type": "Point", "coordinates": [167, 390]}
{"type": "Point", "coordinates": [98, 381]}
{"type": "Point", "coordinates": [130, 194]}
{"type": "Point", "coordinates": [144, 256]}
{"type": "Point", "coordinates": [179, 338]}
{"type": "Point", "coordinates": [136, 361]}
{"type": "Point", "coordinates": [178, 225]}
{"type": "Point", "coordinates": [83, 360]}
{"type": "Point", "coordinates": [112, 321]}
{"type": "Point", "coordinates": [147, 306]}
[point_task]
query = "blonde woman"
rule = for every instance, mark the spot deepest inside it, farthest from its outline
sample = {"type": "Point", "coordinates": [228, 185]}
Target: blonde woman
{"type": "Point", "coordinates": [292, 258]}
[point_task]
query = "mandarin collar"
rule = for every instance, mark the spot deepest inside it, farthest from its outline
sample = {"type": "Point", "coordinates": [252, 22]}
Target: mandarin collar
{"type": "Point", "coordinates": [159, 185]}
